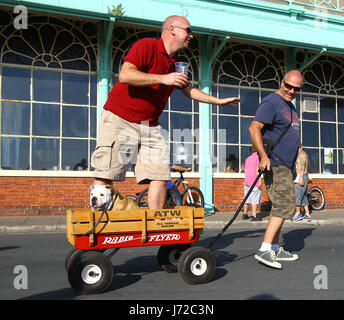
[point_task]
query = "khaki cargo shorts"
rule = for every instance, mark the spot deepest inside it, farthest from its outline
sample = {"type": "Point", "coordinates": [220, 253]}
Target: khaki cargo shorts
{"type": "Point", "coordinates": [280, 187]}
{"type": "Point", "coordinates": [121, 142]}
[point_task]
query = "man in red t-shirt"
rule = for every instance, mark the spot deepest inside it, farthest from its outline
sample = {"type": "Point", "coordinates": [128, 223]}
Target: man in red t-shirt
{"type": "Point", "coordinates": [130, 121]}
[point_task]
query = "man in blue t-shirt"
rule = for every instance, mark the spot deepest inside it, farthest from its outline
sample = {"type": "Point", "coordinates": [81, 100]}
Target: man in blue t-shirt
{"type": "Point", "coordinates": [273, 116]}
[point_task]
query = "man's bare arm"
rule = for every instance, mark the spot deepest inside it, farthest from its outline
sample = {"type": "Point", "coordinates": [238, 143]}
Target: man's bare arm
{"type": "Point", "coordinates": [130, 75]}
{"type": "Point", "coordinates": [302, 163]}
{"type": "Point", "coordinates": [199, 95]}
{"type": "Point", "coordinates": [303, 159]}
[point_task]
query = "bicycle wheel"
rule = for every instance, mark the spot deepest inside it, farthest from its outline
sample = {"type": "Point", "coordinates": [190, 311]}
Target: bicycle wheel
{"type": "Point", "coordinates": [316, 198]}
{"type": "Point", "coordinates": [193, 197]}
{"type": "Point", "coordinates": [142, 199]}
{"type": "Point", "coordinates": [173, 198]}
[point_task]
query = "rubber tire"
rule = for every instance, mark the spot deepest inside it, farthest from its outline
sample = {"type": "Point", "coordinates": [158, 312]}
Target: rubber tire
{"type": "Point", "coordinates": [193, 190]}
{"type": "Point", "coordinates": [194, 259]}
{"type": "Point", "coordinates": [168, 252]}
{"type": "Point", "coordinates": [318, 190]}
{"type": "Point", "coordinates": [87, 259]}
{"type": "Point", "coordinates": [74, 253]}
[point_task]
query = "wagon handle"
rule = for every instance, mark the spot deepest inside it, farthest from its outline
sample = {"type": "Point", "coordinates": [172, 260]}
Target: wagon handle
{"type": "Point", "coordinates": [96, 224]}
{"type": "Point", "coordinates": [238, 211]}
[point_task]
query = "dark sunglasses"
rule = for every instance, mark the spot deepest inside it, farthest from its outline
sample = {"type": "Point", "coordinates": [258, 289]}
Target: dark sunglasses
{"type": "Point", "coordinates": [289, 87]}
{"type": "Point", "coordinates": [188, 29]}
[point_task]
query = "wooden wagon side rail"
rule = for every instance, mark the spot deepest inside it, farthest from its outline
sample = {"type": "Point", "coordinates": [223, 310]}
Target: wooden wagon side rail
{"type": "Point", "coordinates": [81, 221]}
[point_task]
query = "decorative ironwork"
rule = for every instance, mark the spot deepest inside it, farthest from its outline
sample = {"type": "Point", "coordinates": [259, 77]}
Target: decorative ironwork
{"type": "Point", "coordinates": [49, 42]}
{"type": "Point", "coordinates": [325, 76]}
{"type": "Point", "coordinates": [51, 120]}
{"type": "Point", "coordinates": [249, 66]}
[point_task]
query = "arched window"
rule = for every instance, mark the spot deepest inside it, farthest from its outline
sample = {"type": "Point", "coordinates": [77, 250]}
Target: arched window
{"type": "Point", "coordinates": [48, 93]}
{"type": "Point", "coordinates": [321, 105]}
{"type": "Point", "coordinates": [250, 72]}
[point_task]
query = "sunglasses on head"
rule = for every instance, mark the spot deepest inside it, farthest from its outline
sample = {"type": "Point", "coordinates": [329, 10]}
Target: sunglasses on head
{"type": "Point", "coordinates": [289, 87]}
{"type": "Point", "coordinates": [188, 30]}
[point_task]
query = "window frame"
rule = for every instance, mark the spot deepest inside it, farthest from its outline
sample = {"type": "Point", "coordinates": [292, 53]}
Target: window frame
{"type": "Point", "coordinates": [60, 137]}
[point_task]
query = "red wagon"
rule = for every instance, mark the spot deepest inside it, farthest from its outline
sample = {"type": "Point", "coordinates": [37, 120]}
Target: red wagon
{"type": "Point", "coordinates": [174, 230]}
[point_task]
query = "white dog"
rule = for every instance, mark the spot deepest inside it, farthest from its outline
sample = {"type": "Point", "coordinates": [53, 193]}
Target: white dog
{"type": "Point", "coordinates": [101, 197]}
{"type": "Point", "coordinates": [105, 197]}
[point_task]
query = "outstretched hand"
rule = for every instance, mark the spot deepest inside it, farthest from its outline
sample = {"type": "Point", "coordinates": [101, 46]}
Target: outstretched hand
{"type": "Point", "coordinates": [228, 101]}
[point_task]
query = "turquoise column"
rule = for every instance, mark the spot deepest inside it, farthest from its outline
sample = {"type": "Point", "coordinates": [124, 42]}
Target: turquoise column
{"type": "Point", "coordinates": [291, 63]}
{"type": "Point", "coordinates": [206, 181]}
{"type": "Point", "coordinates": [104, 71]}
{"type": "Point", "coordinates": [207, 57]}
{"type": "Point", "coordinates": [290, 58]}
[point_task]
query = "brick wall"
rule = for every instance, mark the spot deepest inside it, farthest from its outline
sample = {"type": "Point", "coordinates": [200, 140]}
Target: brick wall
{"type": "Point", "coordinates": [228, 193]}
{"type": "Point", "coordinates": [54, 196]}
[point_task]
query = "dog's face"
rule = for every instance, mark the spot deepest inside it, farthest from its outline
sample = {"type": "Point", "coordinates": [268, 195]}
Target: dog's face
{"type": "Point", "coordinates": [100, 197]}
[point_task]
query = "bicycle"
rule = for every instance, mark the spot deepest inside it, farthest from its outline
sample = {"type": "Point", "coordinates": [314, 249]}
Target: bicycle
{"type": "Point", "coordinates": [316, 198]}
{"type": "Point", "coordinates": [191, 196]}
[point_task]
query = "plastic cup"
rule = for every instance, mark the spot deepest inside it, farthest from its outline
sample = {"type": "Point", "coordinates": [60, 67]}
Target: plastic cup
{"type": "Point", "coordinates": [182, 67]}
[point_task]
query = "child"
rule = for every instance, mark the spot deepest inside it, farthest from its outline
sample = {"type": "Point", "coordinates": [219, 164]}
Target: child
{"type": "Point", "coordinates": [251, 172]}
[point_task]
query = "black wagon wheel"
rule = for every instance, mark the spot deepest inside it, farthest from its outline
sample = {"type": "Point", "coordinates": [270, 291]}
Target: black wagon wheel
{"type": "Point", "coordinates": [74, 253]}
{"type": "Point", "coordinates": [169, 255]}
{"type": "Point", "coordinates": [196, 265]}
{"type": "Point", "coordinates": [90, 272]}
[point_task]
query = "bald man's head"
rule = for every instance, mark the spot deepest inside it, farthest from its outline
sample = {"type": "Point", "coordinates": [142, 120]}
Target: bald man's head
{"type": "Point", "coordinates": [291, 85]}
{"type": "Point", "coordinates": [172, 20]}
{"type": "Point", "coordinates": [176, 33]}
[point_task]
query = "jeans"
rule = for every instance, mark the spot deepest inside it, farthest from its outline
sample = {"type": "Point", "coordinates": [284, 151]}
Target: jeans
{"type": "Point", "coordinates": [301, 192]}
{"type": "Point", "coordinates": [176, 195]}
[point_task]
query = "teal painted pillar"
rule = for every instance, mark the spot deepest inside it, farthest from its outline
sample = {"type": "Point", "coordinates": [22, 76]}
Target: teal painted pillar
{"type": "Point", "coordinates": [104, 71]}
{"type": "Point", "coordinates": [207, 57]}
{"type": "Point", "coordinates": [291, 63]}
{"type": "Point", "coordinates": [206, 169]}
{"type": "Point", "coordinates": [290, 58]}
